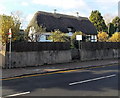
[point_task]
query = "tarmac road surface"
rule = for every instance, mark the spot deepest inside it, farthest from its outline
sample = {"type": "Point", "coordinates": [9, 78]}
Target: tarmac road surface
{"type": "Point", "coordinates": [101, 81]}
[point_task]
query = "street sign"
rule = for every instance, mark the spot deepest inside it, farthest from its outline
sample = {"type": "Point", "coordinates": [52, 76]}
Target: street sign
{"type": "Point", "coordinates": [10, 48]}
{"type": "Point", "coordinates": [78, 37]}
{"type": "Point", "coordinates": [10, 33]}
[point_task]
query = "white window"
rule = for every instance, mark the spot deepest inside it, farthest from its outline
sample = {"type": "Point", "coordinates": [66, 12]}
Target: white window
{"type": "Point", "coordinates": [93, 38]}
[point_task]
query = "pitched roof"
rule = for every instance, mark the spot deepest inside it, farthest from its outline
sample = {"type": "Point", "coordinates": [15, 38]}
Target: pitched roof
{"type": "Point", "coordinates": [62, 22]}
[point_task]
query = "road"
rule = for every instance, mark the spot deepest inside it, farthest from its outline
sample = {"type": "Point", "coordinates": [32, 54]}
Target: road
{"type": "Point", "coordinates": [101, 81]}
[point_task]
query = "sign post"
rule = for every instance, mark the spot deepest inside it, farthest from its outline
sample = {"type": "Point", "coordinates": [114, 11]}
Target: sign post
{"type": "Point", "coordinates": [79, 38]}
{"type": "Point", "coordinates": [10, 48]}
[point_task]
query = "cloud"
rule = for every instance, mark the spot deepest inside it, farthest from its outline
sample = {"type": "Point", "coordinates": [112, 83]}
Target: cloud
{"type": "Point", "coordinates": [73, 13]}
{"type": "Point", "coordinates": [24, 3]}
{"type": "Point", "coordinates": [2, 9]}
{"type": "Point", "coordinates": [118, 9]}
{"type": "Point", "coordinates": [107, 4]}
{"type": "Point", "coordinates": [106, 1]}
{"type": "Point", "coordinates": [69, 7]}
{"type": "Point", "coordinates": [108, 18]}
{"type": "Point", "coordinates": [26, 20]}
{"type": "Point", "coordinates": [64, 4]}
{"type": "Point", "coordinates": [29, 17]}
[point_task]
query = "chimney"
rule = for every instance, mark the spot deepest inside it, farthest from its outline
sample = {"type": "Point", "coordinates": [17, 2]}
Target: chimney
{"type": "Point", "coordinates": [77, 14]}
{"type": "Point", "coordinates": [55, 11]}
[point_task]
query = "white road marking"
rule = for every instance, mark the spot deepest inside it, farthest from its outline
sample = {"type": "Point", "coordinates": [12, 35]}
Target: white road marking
{"type": "Point", "coordinates": [18, 94]}
{"type": "Point", "coordinates": [92, 79]}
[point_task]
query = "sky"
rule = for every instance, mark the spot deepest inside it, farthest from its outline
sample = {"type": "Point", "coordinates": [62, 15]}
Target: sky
{"type": "Point", "coordinates": [27, 8]}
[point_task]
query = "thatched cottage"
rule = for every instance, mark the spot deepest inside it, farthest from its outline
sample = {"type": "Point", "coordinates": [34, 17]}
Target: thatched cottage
{"type": "Point", "coordinates": [65, 23]}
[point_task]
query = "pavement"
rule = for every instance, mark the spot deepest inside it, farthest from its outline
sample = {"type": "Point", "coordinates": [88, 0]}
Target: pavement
{"type": "Point", "coordinates": [6, 73]}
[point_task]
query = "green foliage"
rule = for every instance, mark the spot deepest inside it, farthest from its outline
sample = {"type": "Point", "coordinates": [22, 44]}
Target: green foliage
{"type": "Point", "coordinates": [38, 31]}
{"type": "Point", "coordinates": [7, 22]}
{"type": "Point", "coordinates": [22, 36]}
{"type": "Point", "coordinates": [98, 21]}
{"type": "Point", "coordinates": [111, 29]}
{"type": "Point", "coordinates": [58, 36]}
{"type": "Point", "coordinates": [116, 23]}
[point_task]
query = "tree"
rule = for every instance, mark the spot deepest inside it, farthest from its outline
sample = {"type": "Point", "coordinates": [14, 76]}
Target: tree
{"type": "Point", "coordinates": [36, 30]}
{"type": "Point", "coordinates": [111, 29]}
{"type": "Point", "coordinates": [98, 21]}
{"type": "Point", "coordinates": [115, 37]}
{"type": "Point", "coordinates": [7, 22]}
{"type": "Point", "coordinates": [102, 36]}
{"type": "Point", "coordinates": [58, 36]}
{"type": "Point", "coordinates": [116, 23]}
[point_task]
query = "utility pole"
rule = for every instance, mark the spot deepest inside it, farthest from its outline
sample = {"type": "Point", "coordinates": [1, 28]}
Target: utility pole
{"type": "Point", "coordinates": [79, 38]}
{"type": "Point", "coordinates": [10, 48]}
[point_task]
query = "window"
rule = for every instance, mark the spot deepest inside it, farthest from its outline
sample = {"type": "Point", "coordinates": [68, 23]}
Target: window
{"type": "Point", "coordinates": [93, 38]}
{"type": "Point", "coordinates": [70, 29]}
{"type": "Point", "coordinates": [47, 37]}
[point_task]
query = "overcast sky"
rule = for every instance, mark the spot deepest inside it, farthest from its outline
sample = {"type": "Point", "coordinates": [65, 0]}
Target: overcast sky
{"type": "Point", "coordinates": [27, 8]}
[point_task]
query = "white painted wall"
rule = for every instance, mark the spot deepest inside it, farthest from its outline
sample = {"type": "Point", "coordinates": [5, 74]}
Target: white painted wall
{"type": "Point", "coordinates": [43, 37]}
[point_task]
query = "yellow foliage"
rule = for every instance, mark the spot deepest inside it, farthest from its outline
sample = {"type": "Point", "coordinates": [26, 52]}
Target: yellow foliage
{"type": "Point", "coordinates": [115, 37]}
{"type": "Point", "coordinates": [7, 22]}
{"type": "Point", "coordinates": [58, 36]}
{"type": "Point", "coordinates": [102, 36]}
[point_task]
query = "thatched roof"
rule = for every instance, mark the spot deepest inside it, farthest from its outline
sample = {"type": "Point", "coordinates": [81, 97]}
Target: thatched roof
{"type": "Point", "coordinates": [62, 22]}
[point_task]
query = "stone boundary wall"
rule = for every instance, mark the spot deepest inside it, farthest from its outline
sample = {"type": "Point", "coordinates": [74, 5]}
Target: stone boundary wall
{"type": "Point", "coordinates": [97, 51]}
{"type": "Point", "coordinates": [25, 59]}
{"type": "Point", "coordinates": [99, 54]}
{"type": "Point", "coordinates": [53, 53]}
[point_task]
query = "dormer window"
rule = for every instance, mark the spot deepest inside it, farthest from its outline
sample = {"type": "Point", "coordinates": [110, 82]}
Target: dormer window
{"type": "Point", "coordinates": [70, 31]}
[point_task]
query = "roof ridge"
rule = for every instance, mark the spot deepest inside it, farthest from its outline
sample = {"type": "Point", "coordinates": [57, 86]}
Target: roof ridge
{"type": "Point", "coordinates": [59, 21]}
{"type": "Point", "coordinates": [60, 15]}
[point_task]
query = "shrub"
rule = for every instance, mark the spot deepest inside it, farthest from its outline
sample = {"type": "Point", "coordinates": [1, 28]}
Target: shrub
{"type": "Point", "coordinates": [115, 37]}
{"type": "Point", "coordinates": [58, 36]}
{"type": "Point", "coordinates": [102, 36]}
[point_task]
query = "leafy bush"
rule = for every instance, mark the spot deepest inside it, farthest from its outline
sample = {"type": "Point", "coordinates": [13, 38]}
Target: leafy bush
{"type": "Point", "coordinates": [102, 36]}
{"type": "Point", "coordinates": [115, 37]}
{"type": "Point", "coordinates": [58, 36]}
